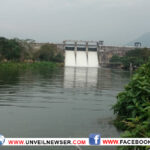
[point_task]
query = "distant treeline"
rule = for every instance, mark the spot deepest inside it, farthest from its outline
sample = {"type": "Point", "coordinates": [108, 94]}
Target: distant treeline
{"type": "Point", "coordinates": [135, 57]}
{"type": "Point", "coordinates": [22, 50]}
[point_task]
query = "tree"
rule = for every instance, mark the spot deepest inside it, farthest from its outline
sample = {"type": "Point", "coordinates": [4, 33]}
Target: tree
{"type": "Point", "coordinates": [49, 52]}
{"type": "Point", "coordinates": [10, 49]}
{"type": "Point", "coordinates": [115, 59]}
{"type": "Point", "coordinates": [137, 57]}
{"type": "Point", "coordinates": [18, 50]}
{"type": "Point", "coordinates": [27, 49]}
{"type": "Point", "coordinates": [59, 57]}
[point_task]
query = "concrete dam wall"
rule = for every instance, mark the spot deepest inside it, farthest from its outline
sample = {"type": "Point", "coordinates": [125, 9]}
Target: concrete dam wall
{"type": "Point", "coordinates": [87, 53]}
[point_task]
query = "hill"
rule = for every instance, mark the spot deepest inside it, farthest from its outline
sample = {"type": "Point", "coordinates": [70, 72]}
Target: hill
{"type": "Point", "coordinates": [144, 39]}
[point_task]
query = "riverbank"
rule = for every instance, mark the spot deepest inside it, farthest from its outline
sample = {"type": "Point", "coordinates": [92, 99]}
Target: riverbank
{"type": "Point", "coordinates": [133, 106]}
{"type": "Point", "coordinates": [29, 66]}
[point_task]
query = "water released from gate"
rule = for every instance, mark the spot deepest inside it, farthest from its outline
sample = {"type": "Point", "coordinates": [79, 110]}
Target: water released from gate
{"type": "Point", "coordinates": [92, 59]}
{"type": "Point", "coordinates": [70, 58]}
{"type": "Point", "coordinates": [81, 59]}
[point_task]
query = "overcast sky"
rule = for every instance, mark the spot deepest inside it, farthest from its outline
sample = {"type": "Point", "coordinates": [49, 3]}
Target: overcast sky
{"type": "Point", "coordinates": [114, 21]}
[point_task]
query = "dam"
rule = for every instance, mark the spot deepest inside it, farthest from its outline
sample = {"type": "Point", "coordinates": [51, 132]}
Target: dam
{"type": "Point", "coordinates": [81, 53]}
{"type": "Point", "coordinates": [84, 53]}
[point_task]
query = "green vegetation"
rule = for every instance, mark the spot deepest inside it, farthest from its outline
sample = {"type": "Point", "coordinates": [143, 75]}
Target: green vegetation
{"type": "Point", "coordinates": [10, 49]}
{"type": "Point", "coordinates": [133, 106]}
{"type": "Point", "coordinates": [10, 72]}
{"type": "Point", "coordinates": [115, 59]}
{"type": "Point", "coordinates": [49, 52]}
{"type": "Point", "coordinates": [17, 50]}
{"type": "Point", "coordinates": [137, 57]}
{"type": "Point", "coordinates": [16, 66]}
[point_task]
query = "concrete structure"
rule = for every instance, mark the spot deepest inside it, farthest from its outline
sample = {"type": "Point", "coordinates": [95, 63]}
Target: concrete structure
{"type": "Point", "coordinates": [104, 52]}
{"type": "Point", "coordinates": [138, 44]}
{"type": "Point", "coordinates": [81, 53]}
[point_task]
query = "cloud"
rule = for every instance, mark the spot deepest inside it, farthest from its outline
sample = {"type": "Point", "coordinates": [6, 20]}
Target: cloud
{"type": "Point", "coordinates": [115, 21]}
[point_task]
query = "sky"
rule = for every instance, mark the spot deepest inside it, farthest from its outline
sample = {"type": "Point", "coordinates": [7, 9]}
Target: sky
{"type": "Point", "coordinates": [116, 22]}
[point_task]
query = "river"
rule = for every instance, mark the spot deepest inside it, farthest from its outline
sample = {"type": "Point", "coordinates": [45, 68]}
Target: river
{"type": "Point", "coordinates": [66, 102]}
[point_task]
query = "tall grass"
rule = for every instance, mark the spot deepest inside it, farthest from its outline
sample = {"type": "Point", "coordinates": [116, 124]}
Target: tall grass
{"type": "Point", "coordinates": [16, 66]}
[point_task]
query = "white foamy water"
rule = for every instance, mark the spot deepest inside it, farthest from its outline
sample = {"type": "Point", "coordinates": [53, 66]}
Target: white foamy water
{"type": "Point", "coordinates": [92, 59]}
{"type": "Point", "coordinates": [70, 58]}
{"type": "Point", "coordinates": [81, 59]}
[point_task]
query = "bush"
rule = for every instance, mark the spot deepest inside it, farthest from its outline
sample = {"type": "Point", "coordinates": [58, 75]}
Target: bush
{"type": "Point", "coordinates": [115, 59]}
{"type": "Point", "coordinates": [49, 52]}
{"type": "Point", "coordinates": [10, 49]}
{"type": "Point", "coordinates": [133, 105]}
{"type": "Point", "coordinates": [20, 50]}
{"type": "Point", "coordinates": [137, 57]}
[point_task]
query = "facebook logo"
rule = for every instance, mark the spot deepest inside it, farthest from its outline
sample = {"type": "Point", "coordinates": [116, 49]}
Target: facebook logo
{"type": "Point", "coordinates": [94, 139]}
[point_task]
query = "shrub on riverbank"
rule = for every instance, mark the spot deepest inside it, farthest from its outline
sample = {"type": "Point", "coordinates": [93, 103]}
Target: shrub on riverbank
{"type": "Point", "coordinates": [23, 50]}
{"type": "Point", "coordinates": [49, 52]}
{"type": "Point", "coordinates": [28, 66]}
{"type": "Point", "coordinates": [133, 106]}
{"type": "Point", "coordinates": [10, 49]}
{"type": "Point", "coordinates": [136, 57]}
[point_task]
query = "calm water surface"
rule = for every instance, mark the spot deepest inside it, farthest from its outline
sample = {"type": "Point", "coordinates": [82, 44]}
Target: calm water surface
{"type": "Point", "coordinates": [69, 102]}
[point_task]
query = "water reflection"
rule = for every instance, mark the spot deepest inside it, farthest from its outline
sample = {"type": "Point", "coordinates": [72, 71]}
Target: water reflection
{"type": "Point", "coordinates": [68, 102]}
{"type": "Point", "coordinates": [96, 78]}
{"type": "Point", "coordinates": [9, 77]}
{"type": "Point", "coordinates": [80, 77]}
